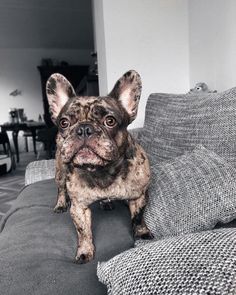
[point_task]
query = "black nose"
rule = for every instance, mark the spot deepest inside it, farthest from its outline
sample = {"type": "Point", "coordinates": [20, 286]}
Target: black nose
{"type": "Point", "coordinates": [85, 130]}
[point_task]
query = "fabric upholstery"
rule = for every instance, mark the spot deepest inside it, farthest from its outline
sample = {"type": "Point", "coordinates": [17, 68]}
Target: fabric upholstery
{"type": "Point", "coordinates": [202, 263]}
{"type": "Point", "coordinates": [40, 170]}
{"type": "Point", "coordinates": [38, 246]}
{"type": "Point", "coordinates": [175, 124]}
{"type": "Point", "coordinates": [192, 193]}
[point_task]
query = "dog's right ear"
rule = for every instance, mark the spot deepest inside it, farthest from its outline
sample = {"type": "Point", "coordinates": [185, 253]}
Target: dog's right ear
{"type": "Point", "coordinates": [58, 90]}
{"type": "Point", "coordinates": [127, 90]}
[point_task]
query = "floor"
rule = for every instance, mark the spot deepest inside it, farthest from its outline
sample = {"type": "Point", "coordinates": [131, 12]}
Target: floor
{"type": "Point", "coordinates": [12, 183]}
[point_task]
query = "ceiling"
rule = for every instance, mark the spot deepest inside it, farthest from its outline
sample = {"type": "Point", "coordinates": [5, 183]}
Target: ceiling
{"type": "Point", "coordinates": [46, 24]}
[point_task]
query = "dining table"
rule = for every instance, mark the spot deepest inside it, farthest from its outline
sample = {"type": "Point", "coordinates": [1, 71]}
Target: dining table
{"type": "Point", "coordinates": [16, 127]}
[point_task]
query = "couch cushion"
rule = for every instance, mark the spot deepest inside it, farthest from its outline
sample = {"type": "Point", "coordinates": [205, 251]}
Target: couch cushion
{"type": "Point", "coordinates": [192, 193]}
{"type": "Point", "coordinates": [202, 263]}
{"type": "Point", "coordinates": [177, 123]}
{"type": "Point", "coordinates": [37, 246]}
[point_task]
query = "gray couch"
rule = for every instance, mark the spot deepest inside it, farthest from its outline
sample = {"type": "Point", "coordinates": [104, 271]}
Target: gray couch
{"type": "Point", "coordinates": [37, 246]}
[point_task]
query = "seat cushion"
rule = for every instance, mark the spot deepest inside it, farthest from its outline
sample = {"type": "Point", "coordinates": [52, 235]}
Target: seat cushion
{"type": "Point", "coordinates": [176, 123]}
{"type": "Point", "coordinates": [37, 246]}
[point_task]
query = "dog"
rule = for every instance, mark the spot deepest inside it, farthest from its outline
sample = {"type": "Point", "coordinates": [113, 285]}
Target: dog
{"type": "Point", "coordinates": [96, 157]}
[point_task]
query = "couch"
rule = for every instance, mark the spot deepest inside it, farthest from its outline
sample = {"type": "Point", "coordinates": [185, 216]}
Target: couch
{"type": "Point", "coordinates": [37, 246]}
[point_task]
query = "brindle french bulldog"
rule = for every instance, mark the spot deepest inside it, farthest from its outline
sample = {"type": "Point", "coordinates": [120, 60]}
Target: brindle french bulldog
{"type": "Point", "coordinates": [97, 158]}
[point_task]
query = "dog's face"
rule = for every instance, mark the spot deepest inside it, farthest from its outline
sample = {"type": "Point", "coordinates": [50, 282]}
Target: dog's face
{"type": "Point", "coordinates": [93, 130]}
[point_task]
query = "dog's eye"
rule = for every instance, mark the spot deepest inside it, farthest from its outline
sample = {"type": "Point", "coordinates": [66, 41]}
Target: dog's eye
{"type": "Point", "coordinates": [64, 123]}
{"type": "Point", "coordinates": [110, 121]}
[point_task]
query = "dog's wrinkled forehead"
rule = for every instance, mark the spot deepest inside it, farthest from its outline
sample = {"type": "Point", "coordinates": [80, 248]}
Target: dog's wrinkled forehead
{"type": "Point", "coordinates": [90, 108]}
{"type": "Point", "coordinates": [124, 97]}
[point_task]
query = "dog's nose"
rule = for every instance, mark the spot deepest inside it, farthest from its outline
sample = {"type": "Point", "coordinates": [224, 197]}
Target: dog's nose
{"type": "Point", "coordinates": [85, 130]}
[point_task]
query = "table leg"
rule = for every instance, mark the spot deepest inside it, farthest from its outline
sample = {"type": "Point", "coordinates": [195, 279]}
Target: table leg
{"type": "Point", "coordinates": [34, 140]}
{"type": "Point", "coordinates": [15, 141]}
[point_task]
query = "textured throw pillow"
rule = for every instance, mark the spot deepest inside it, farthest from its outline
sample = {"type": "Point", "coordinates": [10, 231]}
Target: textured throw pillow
{"type": "Point", "coordinates": [177, 123]}
{"type": "Point", "coordinates": [192, 193]}
{"type": "Point", "coordinates": [202, 263]}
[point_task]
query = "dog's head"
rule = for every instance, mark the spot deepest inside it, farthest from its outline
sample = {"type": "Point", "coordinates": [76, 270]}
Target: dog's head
{"type": "Point", "coordinates": [93, 130]}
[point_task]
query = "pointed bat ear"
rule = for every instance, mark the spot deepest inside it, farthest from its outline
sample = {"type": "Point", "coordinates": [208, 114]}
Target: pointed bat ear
{"type": "Point", "coordinates": [58, 90]}
{"type": "Point", "coordinates": [128, 91]}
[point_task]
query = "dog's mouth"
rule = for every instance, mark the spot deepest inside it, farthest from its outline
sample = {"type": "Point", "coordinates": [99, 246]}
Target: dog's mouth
{"type": "Point", "coordinates": [89, 160]}
{"type": "Point", "coordinates": [89, 167]}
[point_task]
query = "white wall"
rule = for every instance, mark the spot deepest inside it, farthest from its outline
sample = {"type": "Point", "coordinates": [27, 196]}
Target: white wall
{"type": "Point", "coordinates": [18, 70]}
{"type": "Point", "coordinates": [212, 35]}
{"type": "Point", "coordinates": [149, 36]}
{"type": "Point", "coordinates": [99, 44]}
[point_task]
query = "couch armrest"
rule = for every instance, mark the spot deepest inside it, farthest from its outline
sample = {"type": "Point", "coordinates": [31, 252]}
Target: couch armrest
{"type": "Point", "coordinates": [136, 132]}
{"type": "Point", "coordinates": [39, 170]}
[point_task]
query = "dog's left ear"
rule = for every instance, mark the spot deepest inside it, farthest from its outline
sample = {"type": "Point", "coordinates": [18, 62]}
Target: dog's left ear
{"type": "Point", "coordinates": [128, 91]}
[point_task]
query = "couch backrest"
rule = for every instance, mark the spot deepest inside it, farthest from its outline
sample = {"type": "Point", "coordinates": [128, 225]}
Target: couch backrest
{"type": "Point", "coordinates": [177, 123]}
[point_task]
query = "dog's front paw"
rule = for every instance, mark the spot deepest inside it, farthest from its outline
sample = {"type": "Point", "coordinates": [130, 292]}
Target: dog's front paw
{"type": "Point", "coordinates": [61, 207]}
{"type": "Point", "coordinates": [84, 255]}
{"type": "Point", "coordinates": [63, 202]}
{"type": "Point", "coordinates": [142, 232]}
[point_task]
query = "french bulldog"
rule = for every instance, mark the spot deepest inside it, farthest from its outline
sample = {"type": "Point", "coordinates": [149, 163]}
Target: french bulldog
{"type": "Point", "coordinates": [96, 157]}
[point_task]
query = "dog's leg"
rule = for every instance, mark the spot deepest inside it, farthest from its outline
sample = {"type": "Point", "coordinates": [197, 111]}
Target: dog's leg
{"type": "Point", "coordinates": [62, 199]}
{"type": "Point", "coordinates": [81, 216]}
{"type": "Point", "coordinates": [136, 209]}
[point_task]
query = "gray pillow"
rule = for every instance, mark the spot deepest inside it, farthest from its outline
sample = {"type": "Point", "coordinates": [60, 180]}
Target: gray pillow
{"type": "Point", "coordinates": [177, 123]}
{"type": "Point", "coordinates": [202, 263]}
{"type": "Point", "coordinates": [192, 193]}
